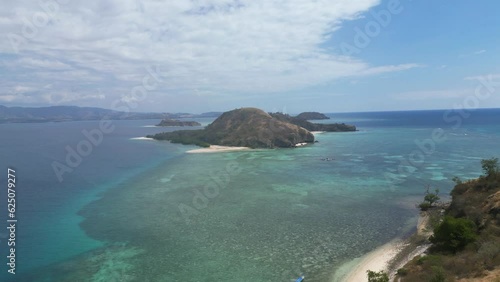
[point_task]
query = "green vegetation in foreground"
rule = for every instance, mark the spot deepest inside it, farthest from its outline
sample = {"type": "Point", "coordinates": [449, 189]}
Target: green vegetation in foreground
{"type": "Point", "coordinates": [466, 241]}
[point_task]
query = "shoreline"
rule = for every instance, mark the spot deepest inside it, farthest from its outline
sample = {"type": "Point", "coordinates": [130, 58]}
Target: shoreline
{"type": "Point", "coordinates": [376, 260]}
{"type": "Point", "coordinates": [388, 257]}
{"type": "Point", "coordinates": [217, 149]}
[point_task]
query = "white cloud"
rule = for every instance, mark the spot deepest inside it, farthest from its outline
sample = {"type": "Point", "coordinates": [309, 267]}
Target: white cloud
{"type": "Point", "coordinates": [22, 94]}
{"type": "Point", "coordinates": [79, 76]}
{"type": "Point", "coordinates": [7, 98]}
{"type": "Point", "coordinates": [33, 63]}
{"type": "Point", "coordinates": [475, 53]}
{"type": "Point", "coordinates": [487, 77]}
{"type": "Point", "coordinates": [432, 95]}
{"type": "Point", "coordinates": [204, 46]}
{"type": "Point", "coordinates": [23, 89]}
{"type": "Point", "coordinates": [389, 68]}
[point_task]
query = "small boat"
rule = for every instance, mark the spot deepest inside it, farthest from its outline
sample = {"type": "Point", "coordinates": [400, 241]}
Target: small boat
{"type": "Point", "coordinates": [300, 279]}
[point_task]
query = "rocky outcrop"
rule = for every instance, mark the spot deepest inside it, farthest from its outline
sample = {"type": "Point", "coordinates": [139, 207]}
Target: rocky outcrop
{"type": "Point", "coordinates": [492, 204]}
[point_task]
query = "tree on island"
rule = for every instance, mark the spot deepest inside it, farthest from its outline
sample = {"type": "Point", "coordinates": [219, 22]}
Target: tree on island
{"type": "Point", "coordinates": [380, 276]}
{"type": "Point", "coordinates": [490, 167]}
{"type": "Point", "coordinates": [429, 199]}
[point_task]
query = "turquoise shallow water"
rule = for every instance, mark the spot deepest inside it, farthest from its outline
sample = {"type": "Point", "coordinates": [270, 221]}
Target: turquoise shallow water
{"type": "Point", "coordinates": [273, 220]}
{"type": "Point", "coordinates": [266, 215]}
{"type": "Point", "coordinates": [47, 210]}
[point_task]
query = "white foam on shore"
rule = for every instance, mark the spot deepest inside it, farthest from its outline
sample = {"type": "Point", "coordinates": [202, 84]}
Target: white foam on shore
{"type": "Point", "coordinates": [317, 132]}
{"type": "Point", "coordinates": [217, 149]}
{"type": "Point", "coordinates": [141, 138]}
{"type": "Point", "coordinates": [300, 144]}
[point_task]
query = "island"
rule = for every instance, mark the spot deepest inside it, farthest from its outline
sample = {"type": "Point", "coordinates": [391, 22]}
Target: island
{"type": "Point", "coordinates": [332, 127]}
{"type": "Point", "coordinates": [253, 128]}
{"type": "Point", "coordinates": [312, 116]}
{"type": "Point", "coordinates": [175, 122]}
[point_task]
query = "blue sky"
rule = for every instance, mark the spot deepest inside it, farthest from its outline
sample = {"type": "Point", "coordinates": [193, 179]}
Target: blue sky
{"type": "Point", "coordinates": [216, 55]}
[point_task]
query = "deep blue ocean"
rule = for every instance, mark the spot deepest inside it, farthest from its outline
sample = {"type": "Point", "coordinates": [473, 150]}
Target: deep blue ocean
{"type": "Point", "coordinates": [142, 210]}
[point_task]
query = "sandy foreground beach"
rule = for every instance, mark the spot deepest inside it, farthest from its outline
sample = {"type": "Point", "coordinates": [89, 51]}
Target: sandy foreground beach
{"type": "Point", "coordinates": [217, 148]}
{"type": "Point", "coordinates": [384, 257]}
{"type": "Point", "coordinates": [379, 259]}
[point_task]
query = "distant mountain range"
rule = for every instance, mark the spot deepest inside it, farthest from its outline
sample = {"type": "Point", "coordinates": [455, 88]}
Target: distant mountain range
{"type": "Point", "coordinates": [74, 113]}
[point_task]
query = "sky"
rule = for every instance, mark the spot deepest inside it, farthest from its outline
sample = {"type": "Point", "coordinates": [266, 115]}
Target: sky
{"type": "Point", "coordinates": [216, 55]}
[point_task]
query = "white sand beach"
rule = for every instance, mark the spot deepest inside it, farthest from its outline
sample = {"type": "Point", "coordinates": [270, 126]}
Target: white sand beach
{"type": "Point", "coordinates": [381, 258]}
{"type": "Point", "coordinates": [217, 149]}
{"type": "Point", "coordinates": [141, 138]}
{"type": "Point", "coordinates": [378, 259]}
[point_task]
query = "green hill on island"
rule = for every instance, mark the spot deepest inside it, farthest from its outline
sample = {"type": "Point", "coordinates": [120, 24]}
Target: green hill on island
{"type": "Point", "coordinates": [312, 116]}
{"type": "Point", "coordinates": [247, 127]}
